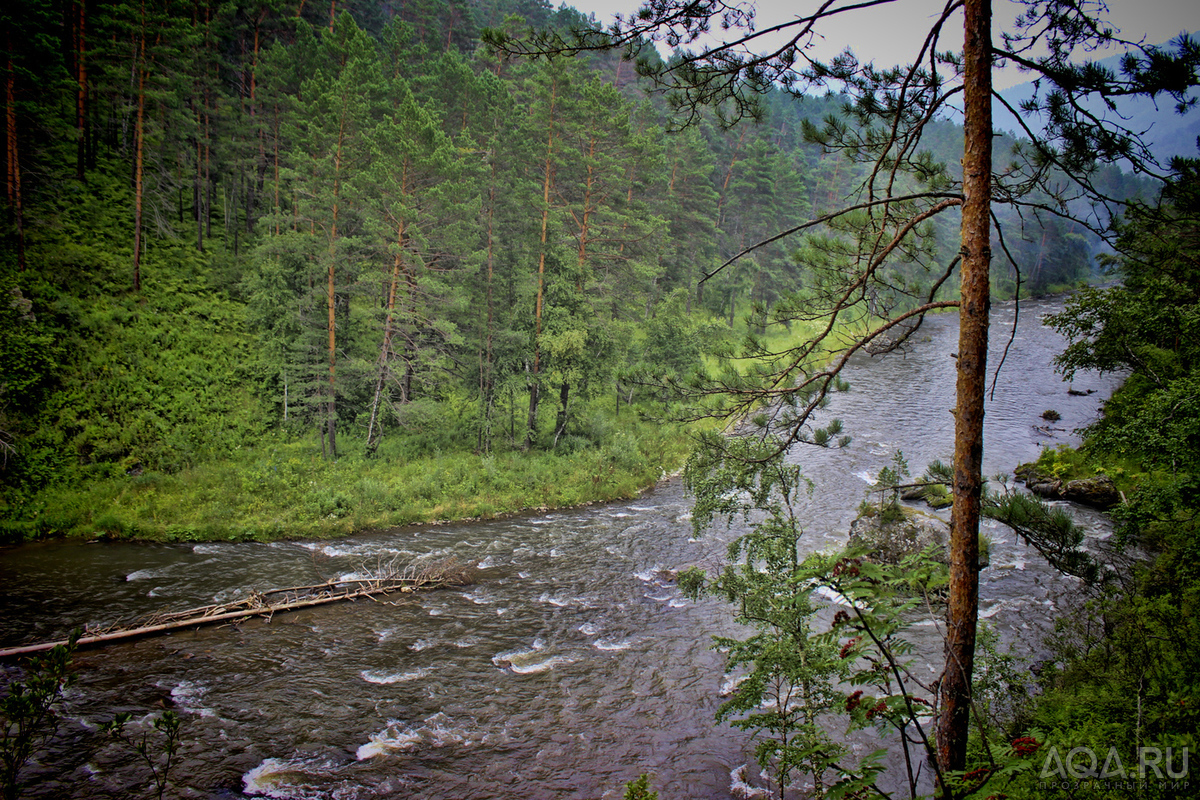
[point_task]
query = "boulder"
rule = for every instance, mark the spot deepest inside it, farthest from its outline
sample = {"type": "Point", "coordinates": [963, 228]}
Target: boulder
{"type": "Point", "coordinates": [1046, 487]}
{"type": "Point", "coordinates": [891, 543]}
{"type": "Point", "coordinates": [1098, 492]}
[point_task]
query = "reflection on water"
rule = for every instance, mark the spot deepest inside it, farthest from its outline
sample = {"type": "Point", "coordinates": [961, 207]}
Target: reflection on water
{"type": "Point", "coordinates": [574, 664]}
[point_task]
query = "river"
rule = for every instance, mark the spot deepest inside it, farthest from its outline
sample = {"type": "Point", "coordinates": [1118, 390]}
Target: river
{"type": "Point", "coordinates": [572, 666]}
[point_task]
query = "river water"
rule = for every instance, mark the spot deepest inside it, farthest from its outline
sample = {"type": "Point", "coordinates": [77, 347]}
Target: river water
{"type": "Point", "coordinates": [572, 666]}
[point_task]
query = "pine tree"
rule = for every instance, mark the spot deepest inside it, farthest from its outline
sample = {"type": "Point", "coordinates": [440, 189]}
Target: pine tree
{"type": "Point", "coordinates": [419, 204]}
{"type": "Point", "coordinates": [336, 114]}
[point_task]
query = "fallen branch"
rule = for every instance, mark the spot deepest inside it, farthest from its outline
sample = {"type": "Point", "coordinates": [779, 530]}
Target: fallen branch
{"type": "Point", "coordinates": [387, 580]}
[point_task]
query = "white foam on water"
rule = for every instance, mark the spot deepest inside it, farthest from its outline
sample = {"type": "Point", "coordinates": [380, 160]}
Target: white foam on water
{"type": "Point", "coordinates": [286, 779]}
{"type": "Point", "coordinates": [554, 601]}
{"type": "Point", "coordinates": [382, 677]}
{"type": "Point", "coordinates": [834, 597]}
{"type": "Point", "coordinates": [545, 521]}
{"type": "Point", "coordinates": [385, 634]}
{"type": "Point", "coordinates": [208, 548]}
{"type": "Point", "coordinates": [487, 563]}
{"type": "Point", "coordinates": [187, 695]}
{"type": "Point", "coordinates": [589, 629]}
{"type": "Point", "coordinates": [480, 597]}
{"type": "Point", "coordinates": [500, 659]}
{"type": "Point", "coordinates": [866, 477]}
{"type": "Point", "coordinates": [529, 660]}
{"type": "Point", "coordinates": [393, 737]}
{"type": "Point", "coordinates": [649, 574]}
{"type": "Point", "coordinates": [643, 508]}
{"type": "Point", "coordinates": [421, 644]}
{"type": "Point", "coordinates": [620, 514]}
{"type": "Point", "coordinates": [143, 574]}
{"type": "Point", "coordinates": [991, 612]}
{"type": "Point", "coordinates": [469, 641]}
{"type": "Point", "coordinates": [437, 731]}
{"type": "Point", "coordinates": [731, 683]}
{"type": "Point", "coordinates": [679, 602]}
{"type": "Point", "coordinates": [532, 667]}
{"type": "Point", "coordinates": [659, 597]}
{"type": "Point", "coordinates": [609, 644]}
{"type": "Point", "coordinates": [739, 788]}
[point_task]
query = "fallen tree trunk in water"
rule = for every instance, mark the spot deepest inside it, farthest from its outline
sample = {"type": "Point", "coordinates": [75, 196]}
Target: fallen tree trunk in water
{"type": "Point", "coordinates": [266, 604]}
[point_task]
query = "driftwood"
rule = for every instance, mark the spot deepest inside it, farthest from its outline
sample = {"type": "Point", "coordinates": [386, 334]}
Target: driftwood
{"type": "Point", "coordinates": [385, 579]}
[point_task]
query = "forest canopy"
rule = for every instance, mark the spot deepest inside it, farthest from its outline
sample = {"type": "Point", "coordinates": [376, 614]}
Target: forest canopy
{"type": "Point", "coordinates": [353, 224]}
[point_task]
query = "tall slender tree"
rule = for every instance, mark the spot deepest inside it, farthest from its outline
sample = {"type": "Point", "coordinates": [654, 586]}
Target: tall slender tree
{"type": "Point", "coordinates": [417, 203]}
{"type": "Point", "coordinates": [339, 106]}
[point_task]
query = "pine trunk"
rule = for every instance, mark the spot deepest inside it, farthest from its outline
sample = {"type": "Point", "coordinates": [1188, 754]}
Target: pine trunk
{"type": "Point", "coordinates": [486, 381]}
{"type": "Point", "coordinates": [534, 385]}
{"type": "Point", "coordinates": [962, 614]}
{"type": "Point", "coordinates": [81, 90]}
{"type": "Point", "coordinates": [374, 426]}
{"type": "Point", "coordinates": [13, 182]}
{"type": "Point", "coordinates": [138, 173]}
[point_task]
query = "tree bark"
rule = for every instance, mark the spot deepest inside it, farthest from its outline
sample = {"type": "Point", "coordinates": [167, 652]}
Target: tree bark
{"type": "Point", "coordinates": [962, 614]}
{"type": "Point", "coordinates": [534, 386]}
{"type": "Point", "coordinates": [486, 382]}
{"type": "Point", "coordinates": [564, 394]}
{"type": "Point", "coordinates": [81, 89]}
{"type": "Point", "coordinates": [374, 427]}
{"type": "Point", "coordinates": [13, 159]}
{"type": "Point", "coordinates": [138, 173]}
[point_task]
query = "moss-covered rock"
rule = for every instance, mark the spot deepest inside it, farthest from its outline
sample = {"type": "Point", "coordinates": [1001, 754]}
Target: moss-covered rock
{"type": "Point", "coordinates": [1098, 491]}
{"type": "Point", "coordinates": [892, 542]}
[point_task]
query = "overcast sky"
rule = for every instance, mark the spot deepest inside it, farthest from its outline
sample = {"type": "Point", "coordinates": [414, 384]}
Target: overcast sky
{"type": "Point", "coordinates": [891, 34]}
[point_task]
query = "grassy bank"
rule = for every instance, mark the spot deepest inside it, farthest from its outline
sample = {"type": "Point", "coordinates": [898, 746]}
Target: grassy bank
{"type": "Point", "coordinates": [284, 490]}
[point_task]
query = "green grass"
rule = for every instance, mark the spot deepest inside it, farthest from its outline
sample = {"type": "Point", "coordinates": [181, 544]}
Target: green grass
{"type": "Point", "coordinates": [285, 490]}
{"type": "Point", "coordinates": [1067, 463]}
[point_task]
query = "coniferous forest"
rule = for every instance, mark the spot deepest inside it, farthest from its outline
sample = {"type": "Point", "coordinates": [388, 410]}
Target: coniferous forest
{"type": "Point", "coordinates": [244, 240]}
{"type": "Point", "coordinates": [288, 269]}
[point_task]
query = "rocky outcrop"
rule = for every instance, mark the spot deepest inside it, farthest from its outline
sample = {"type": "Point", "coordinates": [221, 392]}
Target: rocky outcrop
{"type": "Point", "coordinates": [892, 542]}
{"type": "Point", "coordinates": [1097, 492]}
{"type": "Point", "coordinates": [933, 494]}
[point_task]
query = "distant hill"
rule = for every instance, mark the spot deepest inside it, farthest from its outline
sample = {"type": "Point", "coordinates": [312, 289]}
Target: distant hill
{"type": "Point", "coordinates": [1168, 133]}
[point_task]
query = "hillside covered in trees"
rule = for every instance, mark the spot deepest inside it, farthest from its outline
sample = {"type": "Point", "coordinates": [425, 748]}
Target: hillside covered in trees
{"type": "Point", "coordinates": [244, 239]}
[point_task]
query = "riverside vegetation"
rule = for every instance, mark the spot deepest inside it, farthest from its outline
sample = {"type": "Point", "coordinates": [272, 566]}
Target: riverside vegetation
{"type": "Point", "coordinates": [307, 274]}
{"type": "Point", "coordinates": [288, 239]}
{"type": "Point", "coordinates": [1121, 682]}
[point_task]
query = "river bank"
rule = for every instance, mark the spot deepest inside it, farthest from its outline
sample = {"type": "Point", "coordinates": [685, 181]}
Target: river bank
{"type": "Point", "coordinates": [540, 679]}
{"type": "Point", "coordinates": [286, 490]}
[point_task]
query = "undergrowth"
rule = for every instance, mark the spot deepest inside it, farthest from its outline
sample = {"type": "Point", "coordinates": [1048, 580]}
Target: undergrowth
{"type": "Point", "coordinates": [285, 489]}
